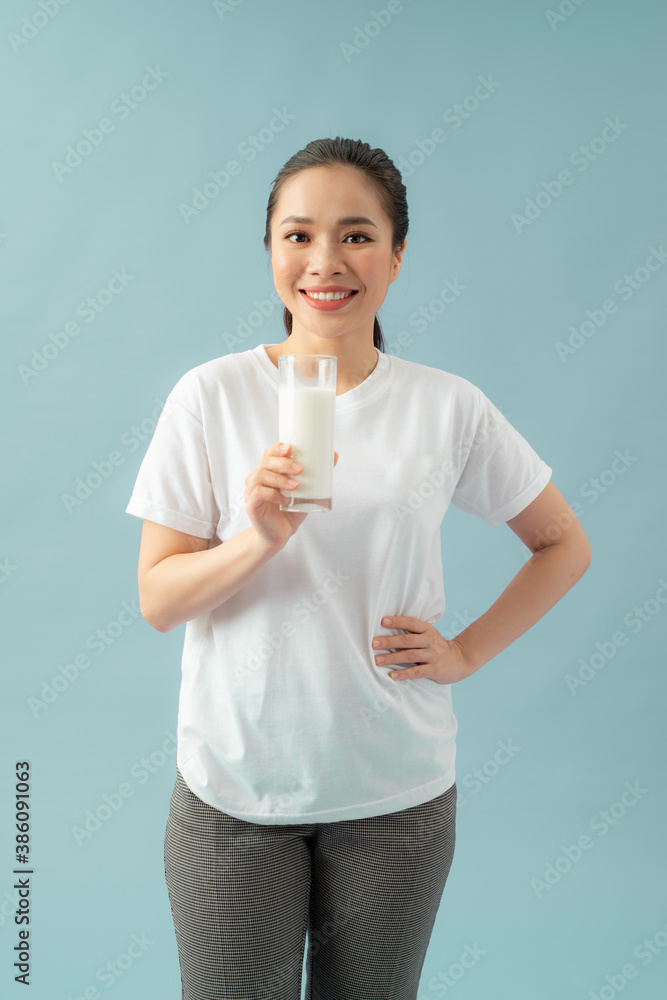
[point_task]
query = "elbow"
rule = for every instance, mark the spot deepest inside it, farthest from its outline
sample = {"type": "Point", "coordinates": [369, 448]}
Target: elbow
{"type": "Point", "coordinates": [577, 554]}
{"type": "Point", "coordinates": [581, 558]}
{"type": "Point", "coordinates": [151, 618]}
{"type": "Point", "coordinates": [153, 605]}
{"type": "Point", "coordinates": [160, 627]}
{"type": "Point", "coordinates": [148, 618]}
{"type": "Point", "coordinates": [587, 559]}
{"type": "Point", "coordinates": [585, 554]}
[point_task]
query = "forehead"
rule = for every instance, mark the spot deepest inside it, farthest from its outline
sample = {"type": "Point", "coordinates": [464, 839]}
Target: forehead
{"type": "Point", "coordinates": [325, 193]}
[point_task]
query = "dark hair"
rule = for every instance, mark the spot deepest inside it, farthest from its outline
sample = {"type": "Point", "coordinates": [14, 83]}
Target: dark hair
{"type": "Point", "coordinates": [378, 169]}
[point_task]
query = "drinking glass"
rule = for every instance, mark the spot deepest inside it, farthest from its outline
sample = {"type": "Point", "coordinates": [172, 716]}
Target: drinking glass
{"type": "Point", "coordinates": [306, 411]}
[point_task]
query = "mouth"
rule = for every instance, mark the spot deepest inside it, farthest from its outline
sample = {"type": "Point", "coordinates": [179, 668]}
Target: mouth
{"type": "Point", "coordinates": [328, 304]}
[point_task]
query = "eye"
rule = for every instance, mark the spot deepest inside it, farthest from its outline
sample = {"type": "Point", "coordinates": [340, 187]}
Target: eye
{"type": "Point", "coordinates": [298, 232]}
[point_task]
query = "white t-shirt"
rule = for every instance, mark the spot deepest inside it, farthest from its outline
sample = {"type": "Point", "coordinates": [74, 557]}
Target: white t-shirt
{"type": "Point", "coordinates": [284, 716]}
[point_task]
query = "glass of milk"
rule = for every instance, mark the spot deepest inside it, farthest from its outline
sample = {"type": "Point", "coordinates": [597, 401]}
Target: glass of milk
{"type": "Point", "coordinates": [306, 410]}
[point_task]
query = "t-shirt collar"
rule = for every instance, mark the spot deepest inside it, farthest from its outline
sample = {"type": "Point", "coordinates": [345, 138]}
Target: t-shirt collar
{"type": "Point", "coordinates": [347, 400]}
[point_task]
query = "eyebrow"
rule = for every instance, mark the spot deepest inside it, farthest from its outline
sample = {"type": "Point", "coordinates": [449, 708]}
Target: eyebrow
{"type": "Point", "coordinates": [348, 220]}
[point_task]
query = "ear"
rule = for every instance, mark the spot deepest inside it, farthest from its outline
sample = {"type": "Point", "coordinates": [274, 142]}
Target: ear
{"type": "Point", "coordinates": [398, 260]}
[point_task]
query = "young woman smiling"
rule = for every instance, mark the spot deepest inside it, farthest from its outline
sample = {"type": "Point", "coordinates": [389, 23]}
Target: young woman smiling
{"type": "Point", "coordinates": [315, 785]}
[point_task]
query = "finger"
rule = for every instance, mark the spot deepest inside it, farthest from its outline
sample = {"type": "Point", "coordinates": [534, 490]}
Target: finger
{"type": "Point", "coordinates": [405, 675]}
{"type": "Point", "coordinates": [402, 656]}
{"type": "Point", "coordinates": [274, 481]}
{"type": "Point", "coordinates": [274, 471]}
{"type": "Point", "coordinates": [406, 621]}
{"type": "Point", "coordinates": [400, 641]}
{"type": "Point", "coordinates": [278, 456]}
{"type": "Point", "coordinates": [259, 495]}
{"type": "Point", "coordinates": [279, 463]}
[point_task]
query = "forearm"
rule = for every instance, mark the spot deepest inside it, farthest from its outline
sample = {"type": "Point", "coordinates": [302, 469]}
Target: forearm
{"type": "Point", "coordinates": [540, 583]}
{"type": "Point", "coordinates": [186, 585]}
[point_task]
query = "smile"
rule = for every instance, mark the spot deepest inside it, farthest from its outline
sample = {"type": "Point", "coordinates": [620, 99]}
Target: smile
{"type": "Point", "coordinates": [328, 301]}
{"type": "Point", "coordinates": [329, 296]}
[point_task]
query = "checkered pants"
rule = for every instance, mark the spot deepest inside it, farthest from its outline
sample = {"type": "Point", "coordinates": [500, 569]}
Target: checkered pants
{"type": "Point", "coordinates": [243, 895]}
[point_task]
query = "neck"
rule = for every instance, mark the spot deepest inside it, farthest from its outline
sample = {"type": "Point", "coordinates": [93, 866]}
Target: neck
{"type": "Point", "coordinates": [354, 360]}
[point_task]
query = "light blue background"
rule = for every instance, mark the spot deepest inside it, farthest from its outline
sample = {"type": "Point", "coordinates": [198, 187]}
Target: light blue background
{"type": "Point", "coordinates": [68, 572]}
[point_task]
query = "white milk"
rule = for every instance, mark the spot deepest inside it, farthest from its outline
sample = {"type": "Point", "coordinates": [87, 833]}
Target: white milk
{"type": "Point", "coordinates": [308, 425]}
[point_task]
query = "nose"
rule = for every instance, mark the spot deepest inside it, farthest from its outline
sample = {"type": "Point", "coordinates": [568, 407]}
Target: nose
{"type": "Point", "coordinates": [325, 258]}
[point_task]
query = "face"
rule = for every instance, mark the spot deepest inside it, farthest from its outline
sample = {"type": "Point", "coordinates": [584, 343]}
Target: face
{"type": "Point", "coordinates": [324, 251]}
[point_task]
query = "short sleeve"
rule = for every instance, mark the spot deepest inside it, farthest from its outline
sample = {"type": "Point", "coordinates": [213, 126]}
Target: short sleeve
{"type": "Point", "coordinates": [173, 486]}
{"type": "Point", "coordinates": [502, 474]}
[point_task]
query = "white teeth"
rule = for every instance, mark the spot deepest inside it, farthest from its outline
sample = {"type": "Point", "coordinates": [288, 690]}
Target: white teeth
{"type": "Point", "coordinates": [329, 296]}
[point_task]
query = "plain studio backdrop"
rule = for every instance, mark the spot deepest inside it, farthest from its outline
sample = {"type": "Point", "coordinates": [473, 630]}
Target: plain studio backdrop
{"type": "Point", "coordinates": [139, 142]}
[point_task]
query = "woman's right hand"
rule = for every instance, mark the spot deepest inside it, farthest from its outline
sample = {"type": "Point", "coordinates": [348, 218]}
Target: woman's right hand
{"type": "Point", "coordinates": [263, 495]}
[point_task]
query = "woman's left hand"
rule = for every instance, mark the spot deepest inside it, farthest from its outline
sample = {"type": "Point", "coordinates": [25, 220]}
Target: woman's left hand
{"type": "Point", "coordinates": [441, 660]}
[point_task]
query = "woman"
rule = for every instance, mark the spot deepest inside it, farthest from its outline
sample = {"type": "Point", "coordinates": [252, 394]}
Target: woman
{"type": "Point", "coordinates": [315, 784]}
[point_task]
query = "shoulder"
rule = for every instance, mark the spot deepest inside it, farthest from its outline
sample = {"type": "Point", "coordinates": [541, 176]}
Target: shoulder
{"type": "Point", "coordinates": [437, 380]}
{"type": "Point", "coordinates": [224, 367]}
{"type": "Point", "coordinates": [204, 382]}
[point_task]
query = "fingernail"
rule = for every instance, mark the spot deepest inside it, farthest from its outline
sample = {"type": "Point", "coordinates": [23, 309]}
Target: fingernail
{"type": "Point", "coordinates": [386, 621]}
